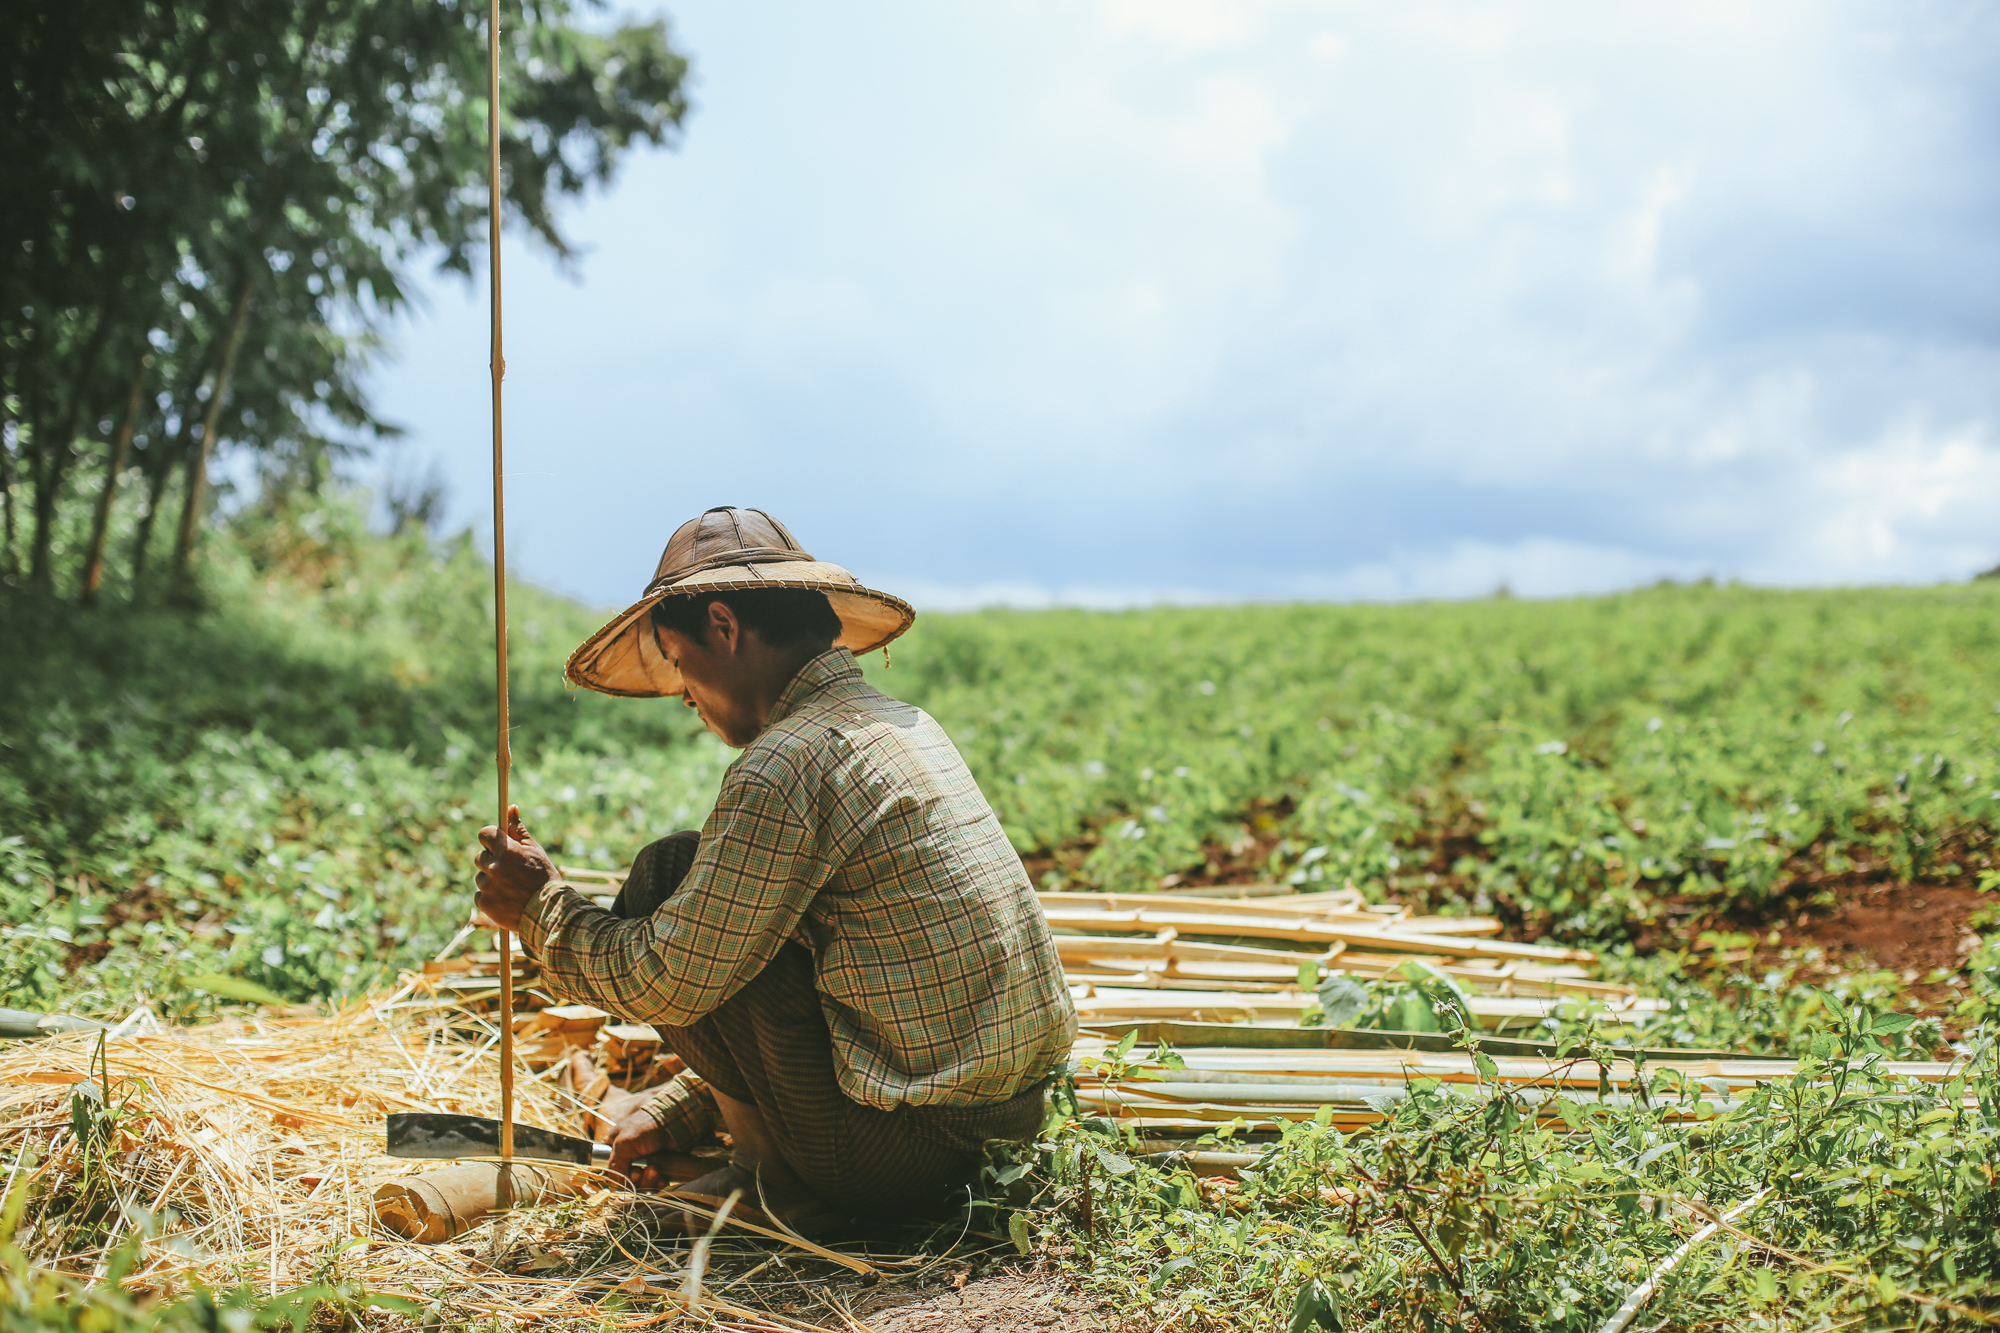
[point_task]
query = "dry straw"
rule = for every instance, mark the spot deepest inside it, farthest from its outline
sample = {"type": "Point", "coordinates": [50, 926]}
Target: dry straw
{"type": "Point", "coordinates": [246, 1152]}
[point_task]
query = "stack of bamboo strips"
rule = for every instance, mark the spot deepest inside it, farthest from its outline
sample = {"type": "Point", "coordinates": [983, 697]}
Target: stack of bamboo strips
{"type": "Point", "coordinates": [1362, 1087]}
{"type": "Point", "coordinates": [1096, 1003]}
{"type": "Point", "coordinates": [1121, 952]}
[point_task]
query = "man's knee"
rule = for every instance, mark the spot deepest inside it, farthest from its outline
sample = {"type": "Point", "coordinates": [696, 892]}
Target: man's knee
{"type": "Point", "coordinates": [656, 872]}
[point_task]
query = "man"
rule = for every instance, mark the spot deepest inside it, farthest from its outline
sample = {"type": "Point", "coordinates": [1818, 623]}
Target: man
{"type": "Point", "coordinates": [849, 955]}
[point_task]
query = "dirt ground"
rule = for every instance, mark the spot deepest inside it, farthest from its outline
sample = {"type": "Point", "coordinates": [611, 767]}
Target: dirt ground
{"type": "Point", "coordinates": [1000, 1302]}
{"type": "Point", "coordinates": [1915, 930]}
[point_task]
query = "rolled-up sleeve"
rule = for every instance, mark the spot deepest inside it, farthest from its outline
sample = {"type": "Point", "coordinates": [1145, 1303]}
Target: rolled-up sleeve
{"type": "Point", "coordinates": [760, 863]}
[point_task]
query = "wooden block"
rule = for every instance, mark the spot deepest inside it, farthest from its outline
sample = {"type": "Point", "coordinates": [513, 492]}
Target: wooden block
{"type": "Point", "coordinates": [580, 1022]}
{"type": "Point", "coordinates": [630, 1043]}
{"type": "Point", "coordinates": [574, 1018]}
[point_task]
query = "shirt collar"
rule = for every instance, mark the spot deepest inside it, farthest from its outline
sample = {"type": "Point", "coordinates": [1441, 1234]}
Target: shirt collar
{"type": "Point", "coordinates": [835, 666]}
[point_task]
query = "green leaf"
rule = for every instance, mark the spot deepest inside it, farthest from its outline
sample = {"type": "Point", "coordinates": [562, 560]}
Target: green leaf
{"type": "Point", "coordinates": [1315, 1305]}
{"type": "Point", "coordinates": [1007, 1175]}
{"type": "Point", "coordinates": [394, 1304]}
{"type": "Point", "coordinates": [1018, 1232]}
{"type": "Point", "coordinates": [1893, 1022]}
{"type": "Point", "coordinates": [1116, 1163]}
{"type": "Point", "coordinates": [17, 1195]}
{"type": "Point", "coordinates": [1342, 998]}
{"type": "Point", "coordinates": [232, 988]}
{"type": "Point", "coordinates": [1167, 1271]}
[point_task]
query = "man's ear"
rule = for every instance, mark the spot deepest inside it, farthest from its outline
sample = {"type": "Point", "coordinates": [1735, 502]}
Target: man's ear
{"type": "Point", "coordinates": [725, 629]}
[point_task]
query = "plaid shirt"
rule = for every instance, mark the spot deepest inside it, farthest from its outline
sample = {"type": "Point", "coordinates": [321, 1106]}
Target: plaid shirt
{"type": "Point", "coordinates": [852, 825]}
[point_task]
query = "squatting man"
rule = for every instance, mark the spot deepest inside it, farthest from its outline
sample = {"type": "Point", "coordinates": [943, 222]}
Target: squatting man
{"type": "Point", "coordinates": [848, 956]}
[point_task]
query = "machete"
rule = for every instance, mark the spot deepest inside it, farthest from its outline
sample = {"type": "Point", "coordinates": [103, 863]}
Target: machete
{"type": "Point", "coordinates": [430, 1134]}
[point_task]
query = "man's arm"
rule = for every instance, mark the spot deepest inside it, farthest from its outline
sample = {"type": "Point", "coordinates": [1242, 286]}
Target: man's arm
{"type": "Point", "coordinates": [760, 862]}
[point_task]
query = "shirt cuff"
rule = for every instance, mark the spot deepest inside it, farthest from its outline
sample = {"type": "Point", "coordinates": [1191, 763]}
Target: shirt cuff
{"type": "Point", "coordinates": [686, 1111]}
{"type": "Point", "coordinates": [550, 906]}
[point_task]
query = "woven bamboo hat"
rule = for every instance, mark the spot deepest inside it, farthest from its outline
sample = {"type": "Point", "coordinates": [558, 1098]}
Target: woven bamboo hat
{"type": "Point", "coordinates": [727, 550]}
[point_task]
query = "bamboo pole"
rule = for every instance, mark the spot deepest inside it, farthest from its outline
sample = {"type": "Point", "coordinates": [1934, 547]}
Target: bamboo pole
{"type": "Point", "coordinates": [497, 365]}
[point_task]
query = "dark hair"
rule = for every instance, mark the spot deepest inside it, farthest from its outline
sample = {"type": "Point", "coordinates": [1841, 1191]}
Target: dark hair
{"type": "Point", "coordinates": [782, 617]}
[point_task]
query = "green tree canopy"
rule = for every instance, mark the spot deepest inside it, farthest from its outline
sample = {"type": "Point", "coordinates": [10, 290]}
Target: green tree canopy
{"type": "Point", "coordinates": [213, 208]}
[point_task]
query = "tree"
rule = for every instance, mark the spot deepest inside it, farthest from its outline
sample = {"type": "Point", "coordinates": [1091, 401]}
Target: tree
{"type": "Point", "coordinates": [217, 202]}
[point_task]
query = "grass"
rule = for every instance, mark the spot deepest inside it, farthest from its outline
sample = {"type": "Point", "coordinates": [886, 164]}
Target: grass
{"type": "Point", "coordinates": [278, 790]}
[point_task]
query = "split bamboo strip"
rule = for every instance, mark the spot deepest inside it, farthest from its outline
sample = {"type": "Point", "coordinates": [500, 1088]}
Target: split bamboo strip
{"type": "Point", "coordinates": [1310, 930]}
{"type": "Point", "coordinates": [1166, 1000]}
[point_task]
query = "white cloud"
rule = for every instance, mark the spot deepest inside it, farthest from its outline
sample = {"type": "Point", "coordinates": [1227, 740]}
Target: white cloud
{"type": "Point", "coordinates": [1890, 510]}
{"type": "Point", "coordinates": [1277, 298]}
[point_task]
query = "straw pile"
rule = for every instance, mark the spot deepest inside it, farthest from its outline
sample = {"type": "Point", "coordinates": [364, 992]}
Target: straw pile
{"type": "Point", "coordinates": [246, 1152]}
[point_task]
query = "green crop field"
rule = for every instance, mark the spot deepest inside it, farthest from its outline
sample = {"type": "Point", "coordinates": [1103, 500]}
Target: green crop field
{"type": "Point", "coordinates": [285, 788]}
{"type": "Point", "coordinates": [281, 791]}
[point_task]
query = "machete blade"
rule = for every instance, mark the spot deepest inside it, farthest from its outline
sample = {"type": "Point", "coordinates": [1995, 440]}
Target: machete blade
{"type": "Point", "coordinates": [435, 1135]}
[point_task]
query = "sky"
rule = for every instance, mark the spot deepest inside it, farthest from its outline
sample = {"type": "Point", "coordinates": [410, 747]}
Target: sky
{"type": "Point", "coordinates": [1115, 302]}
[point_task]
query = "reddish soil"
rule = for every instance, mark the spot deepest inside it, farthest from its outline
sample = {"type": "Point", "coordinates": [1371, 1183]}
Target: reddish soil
{"type": "Point", "coordinates": [1915, 930]}
{"type": "Point", "coordinates": [1911, 929]}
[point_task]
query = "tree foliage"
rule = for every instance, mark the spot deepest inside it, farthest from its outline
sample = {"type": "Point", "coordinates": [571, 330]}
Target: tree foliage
{"type": "Point", "coordinates": [213, 209]}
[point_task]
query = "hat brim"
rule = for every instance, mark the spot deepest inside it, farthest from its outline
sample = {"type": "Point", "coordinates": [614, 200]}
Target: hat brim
{"type": "Point", "coordinates": [624, 657]}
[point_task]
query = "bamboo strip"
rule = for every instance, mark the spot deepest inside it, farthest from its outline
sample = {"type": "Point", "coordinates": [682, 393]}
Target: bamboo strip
{"type": "Point", "coordinates": [1307, 930]}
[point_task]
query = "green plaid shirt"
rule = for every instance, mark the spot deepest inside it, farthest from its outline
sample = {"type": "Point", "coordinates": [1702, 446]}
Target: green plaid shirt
{"type": "Point", "coordinates": [852, 825]}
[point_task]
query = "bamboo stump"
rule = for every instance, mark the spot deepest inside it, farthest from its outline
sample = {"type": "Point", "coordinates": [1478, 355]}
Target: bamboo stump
{"type": "Point", "coordinates": [439, 1205]}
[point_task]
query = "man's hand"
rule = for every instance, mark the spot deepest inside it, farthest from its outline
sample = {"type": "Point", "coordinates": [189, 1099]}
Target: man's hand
{"type": "Point", "coordinates": [637, 1136]}
{"type": "Point", "coordinates": [512, 870]}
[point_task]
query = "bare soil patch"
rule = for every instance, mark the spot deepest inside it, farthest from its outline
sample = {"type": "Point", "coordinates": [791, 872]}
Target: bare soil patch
{"type": "Point", "coordinates": [954, 1301]}
{"type": "Point", "coordinates": [1905, 928]}
{"type": "Point", "coordinates": [1866, 918]}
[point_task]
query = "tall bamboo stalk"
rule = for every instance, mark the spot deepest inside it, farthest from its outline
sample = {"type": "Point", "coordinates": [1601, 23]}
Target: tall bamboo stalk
{"type": "Point", "coordinates": [497, 366]}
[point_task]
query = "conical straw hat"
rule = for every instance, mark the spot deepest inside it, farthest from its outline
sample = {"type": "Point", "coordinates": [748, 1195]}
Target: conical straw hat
{"type": "Point", "coordinates": [727, 550]}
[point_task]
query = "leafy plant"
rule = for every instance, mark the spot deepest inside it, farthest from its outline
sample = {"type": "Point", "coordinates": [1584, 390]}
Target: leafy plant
{"type": "Point", "coordinates": [1506, 1208]}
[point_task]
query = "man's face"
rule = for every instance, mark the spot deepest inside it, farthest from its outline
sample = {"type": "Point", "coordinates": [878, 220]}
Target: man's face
{"type": "Point", "coordinates": [717, 687]}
